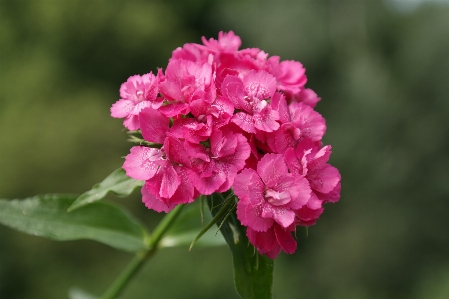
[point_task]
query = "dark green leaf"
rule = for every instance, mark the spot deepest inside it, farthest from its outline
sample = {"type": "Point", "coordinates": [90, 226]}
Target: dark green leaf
{"type": "Point", "coordinates": [117, 182]}
{"type": "Point", "coordinates": [253, 273]}
{"type": "Point", "coordinates": [187, 227]}
{"type": "Point", "coordinates": [47, 216]}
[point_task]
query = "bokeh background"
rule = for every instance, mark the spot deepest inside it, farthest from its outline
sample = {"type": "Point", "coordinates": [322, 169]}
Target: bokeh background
{"type": "Point", "coordinates": [380, 66]}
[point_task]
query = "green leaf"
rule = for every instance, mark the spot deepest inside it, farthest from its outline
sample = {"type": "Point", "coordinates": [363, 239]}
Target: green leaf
{"type": "Point", "coordinates": [77, 293]}
{"type": "Point", "coordinates": [117, 182]}
{"type": "Point", "coordinates": [47, 216]}
{"type": "Point", "coordinates": [253, 273]}
{"type": "Point", "coordinates": [187, 227]}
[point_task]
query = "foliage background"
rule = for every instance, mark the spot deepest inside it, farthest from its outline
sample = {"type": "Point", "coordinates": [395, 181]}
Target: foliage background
{"type": "Point", "coordinates": [381, 68]}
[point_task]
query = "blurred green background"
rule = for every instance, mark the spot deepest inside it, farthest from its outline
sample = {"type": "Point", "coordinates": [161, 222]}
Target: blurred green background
{"type": "Point", "coordinates": [381, 68]}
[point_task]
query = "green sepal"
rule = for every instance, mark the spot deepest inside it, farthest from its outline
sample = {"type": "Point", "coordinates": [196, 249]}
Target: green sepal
{"type": "Point", "coordinates": [253, 273]}
{"type": "Point", "coordinates": [47, 216]}
{"type": "Point", "coordinates": [117, 182]}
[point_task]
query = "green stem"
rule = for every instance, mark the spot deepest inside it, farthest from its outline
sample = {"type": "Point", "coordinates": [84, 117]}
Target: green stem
{"type": "Point", "coordinates": [137, 262]}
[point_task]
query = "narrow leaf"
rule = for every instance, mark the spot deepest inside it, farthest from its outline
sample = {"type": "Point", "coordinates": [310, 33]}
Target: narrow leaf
{"type": "Point", "coordinates": [47, 216]}
{"type": "Point", "coordinates": [224, 209]}
{"type": "Point", "coordinates": [186, 228]}
{"type": "Point", "coordinates": [253, 273]}
{"type": "Point", "coordinates": [117, 182]}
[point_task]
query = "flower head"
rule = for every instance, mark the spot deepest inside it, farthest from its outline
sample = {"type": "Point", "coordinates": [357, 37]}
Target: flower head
{"type": "Point", "coordinates": [224, 119]}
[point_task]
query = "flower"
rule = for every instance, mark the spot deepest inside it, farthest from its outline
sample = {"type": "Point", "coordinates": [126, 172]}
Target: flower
{"type": "Point", "coordinates": [215, 167]}
{"type": "Point", "coordinates": [310, 160]}
{"type": "Point", "coordinates": [185, 81]}
{"type": "Point", "coordinates": [298, 122]}
{"type": "Point", "coordinates": [137, 93]}
{"type": "Point", "coordinates": [224, 119]}
{"type": "Point", "coordinates": [249, 95]}
{"type": "Point", "coordinates": [270, 195]}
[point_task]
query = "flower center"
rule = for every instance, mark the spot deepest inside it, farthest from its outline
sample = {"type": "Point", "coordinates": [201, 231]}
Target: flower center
{"type": "Point", "coordinates": [277, 198]}
{"type": "Point", "coordinates": [260, 106]}
{"type": "Point", "coordinates": [139, 96]}
{"type": "Point", "coordinates": [296, 132]}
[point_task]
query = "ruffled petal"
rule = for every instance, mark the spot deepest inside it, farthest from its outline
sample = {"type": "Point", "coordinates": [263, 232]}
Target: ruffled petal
{"type": "Point", "coordinates": [244, 121]}
{"type": "Point", "coordinates": [310, 122]}
{"type": "Point", "coordinates": [285, 239]}
{"type": "Point", "coordinates": [250, 215]}
{"type": "Point", "coordinates": [170, 182]}
{"type": "Point", "coordinates": [271, 168]}
{"type": "Point", "coordinates": [259, 84]}
{"type": "Point", "coordinates": [282, 215]}
{"type": "Point", "coordinates": [153, 203]}
{"type": "Point", "coordinates": [248, 185]}
{"type": "Point", "coordinates": [122, 108]}
{"type": "Point", "coordinates": [265, 242]}
{"type": "Point", "coordinates": [140, 162]}
{"type": "Point", "coordinates": [324, 179]}
{"type": "Point", "coordinates": [154, 125]}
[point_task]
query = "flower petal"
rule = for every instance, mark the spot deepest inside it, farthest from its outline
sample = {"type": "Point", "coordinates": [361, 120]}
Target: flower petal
{"type": "Point", "coordinates": [170, 182]}
{"type": "Point", "coordinates": [265, 242]}
{"type": "Point", "coordinates": [285, 239]}
{"type": "Point", "coordinates": [282, 215]}
{"type": "Point", "coordinates": [247, 185]}
{"type": "Point", "coordinates": [140, 162]}
{"type": "Point", "coordinates": [153, 203]}
{"type": "Point", "coordinates": [259, 84]}
{"type": "Point", "coordinates": [122, 108]}
{"type": "Point", "coordinates": [271, 168]}
{"type": "Point", "coordinates": [154, 125]}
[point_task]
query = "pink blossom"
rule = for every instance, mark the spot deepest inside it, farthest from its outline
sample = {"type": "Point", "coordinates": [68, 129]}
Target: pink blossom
{"type": "Point", "coordinates": [299, 121]}
{"type": "Point", "coordinates": [184, 193]}
{"type": "Point", "coordinates": [192, 52]}
{"type": "Point", "coordinates": [137, 93]}
{"type": "Point", "coordinates": [171, 184]}
{"type": "Point", "coordinates": [207, 116]}
{"type": "Point", "coordinates": [306, 96]}
{"type": "Point", "coordinates": [221, 110]}
{"type": "Point", "coordinates": [210, 50]}
{"type": "Point", "coordinates": [310, 160]}
{"type": "Point", "coordinates": [193, 130]}
{"type": "Point", "coordinates": [269, 195]}
{"type": "Point", "coordinates": [215, 167]}
{"type": "Point", "coordinates": [290, 75]}
{"type": "Point", "coordinates": [183, 82]}
{"type": "Point", "coordinates": [250, 97]}
{"type": "Point", "coordinates": [227, 42]}
{"type": "Point", "coordinates": [235, 64]}
{"type": "Point", "coordinates": [165, 171]}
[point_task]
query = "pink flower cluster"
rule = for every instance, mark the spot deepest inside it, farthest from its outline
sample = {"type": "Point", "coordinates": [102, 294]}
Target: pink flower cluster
{"type": "Point", "coordinates": [221, 118]}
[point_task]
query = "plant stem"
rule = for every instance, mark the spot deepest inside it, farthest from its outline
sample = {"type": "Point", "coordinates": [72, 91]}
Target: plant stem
{"type": "Point", "coordinates": [137, 262]}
